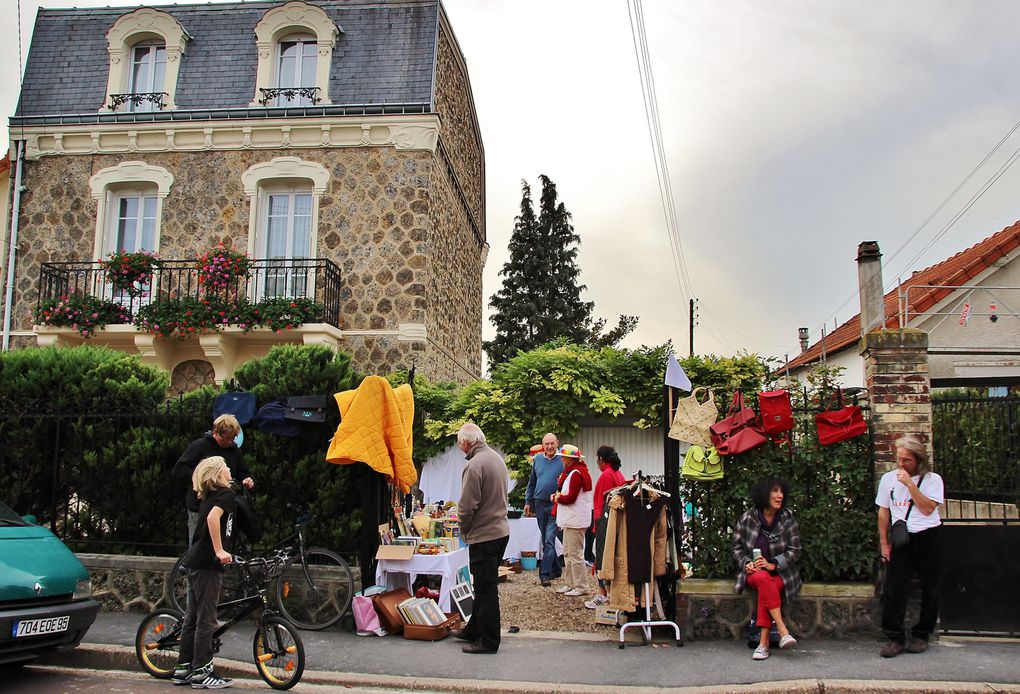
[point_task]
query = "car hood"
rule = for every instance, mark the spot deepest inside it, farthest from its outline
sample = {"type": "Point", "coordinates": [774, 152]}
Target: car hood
{"type": "Point", "coordinates": [32, 555]}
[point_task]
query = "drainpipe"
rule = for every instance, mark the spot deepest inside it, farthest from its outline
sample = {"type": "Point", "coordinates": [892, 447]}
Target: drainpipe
{"type": "Point", "coordinates": [12, 247]}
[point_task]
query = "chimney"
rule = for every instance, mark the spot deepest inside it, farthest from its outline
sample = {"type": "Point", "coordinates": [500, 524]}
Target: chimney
{"type": "Point", "coordinates": [869, 279]}
{"type": "Point", "coordinates": [802, 335]}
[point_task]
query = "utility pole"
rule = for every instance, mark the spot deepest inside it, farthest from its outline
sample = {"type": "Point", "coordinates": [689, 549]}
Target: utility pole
{"type": "Point", "coordinates": [693, 321]}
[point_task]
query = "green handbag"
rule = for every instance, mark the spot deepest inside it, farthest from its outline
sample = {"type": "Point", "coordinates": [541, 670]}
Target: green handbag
{"type": "Point", "coordinates": [702, 464]}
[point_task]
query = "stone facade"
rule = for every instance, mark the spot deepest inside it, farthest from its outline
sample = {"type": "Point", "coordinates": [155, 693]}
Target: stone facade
{"type": "Point", "coordinates": [897, 378]}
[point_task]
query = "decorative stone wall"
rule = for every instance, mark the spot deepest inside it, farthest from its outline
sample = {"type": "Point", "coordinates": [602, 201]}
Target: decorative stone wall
{"type": "Point", "coordinates": [896, 375]}
{"type": "Point", "coordinates": [709, 609]}
{"type": "Point", "coordinates": [190, 375]}
{"type": "Point", "coordinates": [377, 222]}
{"type": "Point", "coordinates": [137, 584]}
{"type": "Point", "coordinates": [459, 132]}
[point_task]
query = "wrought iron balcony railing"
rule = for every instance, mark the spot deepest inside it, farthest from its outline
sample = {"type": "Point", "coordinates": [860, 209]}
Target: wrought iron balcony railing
{"type": "Point", "coordinates": [317, 279]}
{"type": "Point", "coordinates": [303, 96]}
{"type": "Point", "coordinates": [137, 99]}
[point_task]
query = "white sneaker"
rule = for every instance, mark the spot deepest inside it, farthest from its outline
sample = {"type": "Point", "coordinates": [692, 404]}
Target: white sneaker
{"type": "Point", "coordinates": [787, 642]}
{"type": "Point", "coordinates": [563, 589]}
{"type": "Point", "coordinates": [574, 592]}
{"type": "Point", "coordinates": [760, 653]}
{"type": "Point", "coordinates": [597, 601]}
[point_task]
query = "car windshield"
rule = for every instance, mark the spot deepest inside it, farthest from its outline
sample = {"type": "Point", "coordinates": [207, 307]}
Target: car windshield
{"type": "Point", "coordinates": [9, 517]}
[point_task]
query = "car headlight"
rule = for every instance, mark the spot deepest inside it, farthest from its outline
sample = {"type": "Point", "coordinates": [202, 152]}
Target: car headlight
{"type": "Point", "coordinates": [82, 589]}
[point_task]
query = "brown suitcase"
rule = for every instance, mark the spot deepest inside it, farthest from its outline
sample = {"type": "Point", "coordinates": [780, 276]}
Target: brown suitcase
{"type": "Point", "coordinates": [436, 633]}
{"type": "Point", "coordinates": [386, 607]}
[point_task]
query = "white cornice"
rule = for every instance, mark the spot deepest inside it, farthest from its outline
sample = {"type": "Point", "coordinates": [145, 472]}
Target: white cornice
{"type": "Point", "coordinates": [410, 132]}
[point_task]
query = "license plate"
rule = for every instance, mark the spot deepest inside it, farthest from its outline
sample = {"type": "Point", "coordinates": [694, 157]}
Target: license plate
{"type": "Point", "coordinates": [37, 627]}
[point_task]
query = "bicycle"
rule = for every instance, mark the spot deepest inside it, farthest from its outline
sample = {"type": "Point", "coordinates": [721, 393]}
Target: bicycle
{"type": "Point", "coordinates": [277, 649]}
{"type": "Point", "coordinates": [314, 589]}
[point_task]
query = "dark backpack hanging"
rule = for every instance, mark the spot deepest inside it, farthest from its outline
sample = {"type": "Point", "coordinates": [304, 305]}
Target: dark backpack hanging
{"type": "Point", "coordinates": [271, 419]}
{"type": "Point", "coordinates": [307, 408]}
{"type": "Point", "coordinates": [239, 404]}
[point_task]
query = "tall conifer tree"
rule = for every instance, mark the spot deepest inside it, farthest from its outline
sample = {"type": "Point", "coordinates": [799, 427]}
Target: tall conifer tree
{"type": "Point", "coordinates": [540, 299]}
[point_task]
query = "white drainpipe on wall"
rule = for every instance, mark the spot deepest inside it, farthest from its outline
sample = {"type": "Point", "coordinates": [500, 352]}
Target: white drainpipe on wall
{"type": "Point", "coordinates": [12, 249]}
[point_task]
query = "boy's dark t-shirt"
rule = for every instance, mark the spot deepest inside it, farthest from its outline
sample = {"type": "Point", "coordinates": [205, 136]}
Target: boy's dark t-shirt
{"type": "Point", "coordinates": [201, 554]}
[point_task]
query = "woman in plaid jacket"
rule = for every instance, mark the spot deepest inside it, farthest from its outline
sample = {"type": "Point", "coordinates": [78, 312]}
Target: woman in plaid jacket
{"type": "Point", "coordinates": [766, 546]}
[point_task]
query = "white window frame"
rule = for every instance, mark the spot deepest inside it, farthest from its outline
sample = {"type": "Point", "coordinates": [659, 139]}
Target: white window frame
{"type": "Point", "coordinates": [305, 42]}
{"type": "Point", "coordinates": [282, 174]}
{"type": "Point", "coordinates": [153, 60]}
{"type": "Point", "coordinates": [142, 25]}
{"type": "Point", "coordinates": [283, 22]}
{"type": "Point", "coordinates": [291, 192]}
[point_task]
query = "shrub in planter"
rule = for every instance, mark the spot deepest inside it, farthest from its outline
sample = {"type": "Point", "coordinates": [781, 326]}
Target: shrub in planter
{"type": "Point", "coordinates": [222, 267]}
{"type": "Point", "coordinates": [180, 318]}
{"type": "Point", "coordinates": [86, 314]}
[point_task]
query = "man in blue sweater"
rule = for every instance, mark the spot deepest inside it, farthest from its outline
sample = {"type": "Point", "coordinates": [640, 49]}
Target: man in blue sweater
{"type": "Point", "coordinates": [538, 502]}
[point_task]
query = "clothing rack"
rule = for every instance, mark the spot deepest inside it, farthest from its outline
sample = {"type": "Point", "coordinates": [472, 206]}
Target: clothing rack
{"type": "Point", "coordinates": [646, 625]}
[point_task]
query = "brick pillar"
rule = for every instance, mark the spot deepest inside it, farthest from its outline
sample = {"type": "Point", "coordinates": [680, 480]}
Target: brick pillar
{"type": "Point", "coordinates": [896, 374]}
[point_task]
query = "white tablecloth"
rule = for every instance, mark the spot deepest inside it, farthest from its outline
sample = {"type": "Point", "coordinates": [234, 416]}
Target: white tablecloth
{"type": "Point", "coordinates": [524, 537]}
{"type": "Point", "coordinates": [397, 573]}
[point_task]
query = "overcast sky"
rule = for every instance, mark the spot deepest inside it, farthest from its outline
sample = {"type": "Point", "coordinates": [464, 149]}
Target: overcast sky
{"type": "Point", "coordinates": [793, 129]}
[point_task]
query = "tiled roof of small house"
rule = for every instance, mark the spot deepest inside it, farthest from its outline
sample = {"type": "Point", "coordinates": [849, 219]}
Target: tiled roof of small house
{"type": "Point", "coordinates": [385, 55]}
{"type": "Point", "coordinates": [955, 271]}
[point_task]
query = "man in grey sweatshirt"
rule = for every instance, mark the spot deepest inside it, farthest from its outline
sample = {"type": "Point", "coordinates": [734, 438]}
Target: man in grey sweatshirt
{"type": "Point", "coordinates": [484, 527]}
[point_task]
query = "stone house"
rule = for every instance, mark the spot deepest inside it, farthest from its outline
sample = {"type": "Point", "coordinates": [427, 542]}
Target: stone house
{"type": "Point", "coordinates": [967, 304]}
{"type": "Point", "coordinates": [334, 142]}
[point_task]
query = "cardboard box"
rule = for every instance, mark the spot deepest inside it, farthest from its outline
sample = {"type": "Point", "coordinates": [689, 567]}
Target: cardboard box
{"type": "Point", "coordinates": [400, 552]}
{"type": "Point", "coordinates": [607, 615]}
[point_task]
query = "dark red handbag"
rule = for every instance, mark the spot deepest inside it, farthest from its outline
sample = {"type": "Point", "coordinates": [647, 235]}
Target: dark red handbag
{"type": "Point", "coordinates": [839, 425]}
{"type": "Point", "coordinates": [776, 412]}
{"type": "Point", "coordinates": [739, 432]}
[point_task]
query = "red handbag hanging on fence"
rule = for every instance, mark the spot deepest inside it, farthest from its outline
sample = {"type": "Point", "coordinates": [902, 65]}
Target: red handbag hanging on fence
{"type": "Point", "coordinates": [739, 432]}
{"type": "Point", "coordinates": [776, 412]}
{"type": "Point", "coordinates": [839, 425]}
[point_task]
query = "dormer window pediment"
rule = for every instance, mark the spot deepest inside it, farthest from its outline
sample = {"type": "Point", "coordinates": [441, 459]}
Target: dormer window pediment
{"type": "Point", "coordinates": [145, 49]}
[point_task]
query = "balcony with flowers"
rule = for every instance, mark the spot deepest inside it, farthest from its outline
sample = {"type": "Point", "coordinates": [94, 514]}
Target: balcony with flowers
{"type": "Point", "coordinates": [222, 305]}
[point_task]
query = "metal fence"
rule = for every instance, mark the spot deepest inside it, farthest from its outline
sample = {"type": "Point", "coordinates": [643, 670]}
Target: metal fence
{"type": "Point", "coordinates": [101, 481]}
{"type": "Point", "coordinates": [976, 443]}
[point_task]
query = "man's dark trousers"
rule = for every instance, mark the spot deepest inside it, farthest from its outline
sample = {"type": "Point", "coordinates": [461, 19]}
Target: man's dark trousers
{"type": "Point", "coordinates": [484, 558]}
{"type": "Point", "coordinates": [550, 567]}
{"type": "Point", "coordinates": [924, 555]}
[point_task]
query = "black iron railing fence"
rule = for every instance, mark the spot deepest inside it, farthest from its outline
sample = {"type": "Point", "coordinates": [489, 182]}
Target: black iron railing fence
{"type": "Point", "coordinates": [317, 279]}
{"type": "Point", "coordinates": [976, 443]}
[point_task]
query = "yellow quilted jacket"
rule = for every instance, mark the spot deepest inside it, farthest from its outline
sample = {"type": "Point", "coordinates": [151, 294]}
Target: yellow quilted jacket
{"type": "Point", "coordinates": [375, 429]}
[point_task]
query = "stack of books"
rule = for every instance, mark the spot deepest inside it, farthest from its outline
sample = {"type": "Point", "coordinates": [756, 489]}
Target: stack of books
{"type": "Point", "coordinates": [422, 612]}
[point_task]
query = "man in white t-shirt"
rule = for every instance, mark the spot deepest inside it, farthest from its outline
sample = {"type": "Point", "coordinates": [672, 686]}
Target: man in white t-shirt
{"type": "Point", "coordinates": [912, 493]}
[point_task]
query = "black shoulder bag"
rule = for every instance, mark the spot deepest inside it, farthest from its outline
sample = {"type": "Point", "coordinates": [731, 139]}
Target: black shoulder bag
{"type": "Point", "coordinates": [898, 535]}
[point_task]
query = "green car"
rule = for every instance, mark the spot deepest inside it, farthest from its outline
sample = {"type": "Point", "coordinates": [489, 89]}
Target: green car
{"type": "Point", "coordinates": [45, 592]}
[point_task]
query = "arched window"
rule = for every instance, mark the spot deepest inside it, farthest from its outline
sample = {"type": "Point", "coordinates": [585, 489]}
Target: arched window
{"type": "Point", "coordinates": [295, 48]}
{"type": "Point", "coordinates": [130, 204]}
{"type": "Point", "coordinates": [145, 49]}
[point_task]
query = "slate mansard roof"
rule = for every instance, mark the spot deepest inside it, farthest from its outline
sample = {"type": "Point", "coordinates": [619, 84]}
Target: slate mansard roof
{"type": "Point", "coordinates": [385, 55]}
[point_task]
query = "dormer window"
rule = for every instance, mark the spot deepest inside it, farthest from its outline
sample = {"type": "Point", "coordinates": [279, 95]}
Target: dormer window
{"type": "Point", "coordinates": [148, 76]}
{"type": "Point", "coordinates": [295, 47]}
{"type": "Point", "coordinates": [145, 56]}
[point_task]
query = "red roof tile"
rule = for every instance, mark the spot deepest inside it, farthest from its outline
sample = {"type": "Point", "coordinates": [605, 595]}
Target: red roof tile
{"type": "Point", "coordinates": [957, 270]}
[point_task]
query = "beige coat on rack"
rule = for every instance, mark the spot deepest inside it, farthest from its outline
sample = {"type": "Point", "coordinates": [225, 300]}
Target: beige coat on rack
{"type": "Point", "coordinates": [614, 557]}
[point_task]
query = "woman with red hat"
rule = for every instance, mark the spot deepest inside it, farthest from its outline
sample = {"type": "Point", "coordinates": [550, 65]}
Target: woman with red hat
{"type": "Point", "coordinates": [573, 514]}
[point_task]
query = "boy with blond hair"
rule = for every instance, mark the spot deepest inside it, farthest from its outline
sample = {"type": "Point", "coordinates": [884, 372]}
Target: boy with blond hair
{"type": "Point", "coordinates": [204, 562]}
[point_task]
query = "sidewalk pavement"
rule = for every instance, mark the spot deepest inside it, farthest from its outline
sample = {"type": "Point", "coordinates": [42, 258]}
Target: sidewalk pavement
{"type": "Point", "coordinates": [561, 662]}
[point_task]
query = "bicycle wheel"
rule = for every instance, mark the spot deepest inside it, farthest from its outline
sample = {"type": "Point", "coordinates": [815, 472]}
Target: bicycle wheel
{"type": "Point", "coordinates": [320, 602]}
{"type": "Point", "coordinates": [157, 641]}
{"type": "Point", "coordinates": [279, 653]}
{"type": "Point", "coordinates": [177, 593]}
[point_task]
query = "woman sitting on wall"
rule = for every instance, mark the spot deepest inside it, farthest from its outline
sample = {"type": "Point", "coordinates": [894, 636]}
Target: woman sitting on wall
{"type": "Point", "coordinates": [766, 546]}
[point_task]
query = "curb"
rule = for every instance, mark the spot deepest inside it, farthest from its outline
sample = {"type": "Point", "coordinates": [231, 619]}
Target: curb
{"type": "Point", "coordinates": [122, 658]}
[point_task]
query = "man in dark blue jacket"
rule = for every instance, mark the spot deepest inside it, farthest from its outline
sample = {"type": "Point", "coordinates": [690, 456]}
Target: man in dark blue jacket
{"type": "Point", "coordinates": [538, 502]}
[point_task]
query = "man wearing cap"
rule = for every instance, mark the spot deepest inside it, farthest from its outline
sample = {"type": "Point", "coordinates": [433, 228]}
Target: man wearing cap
{"type": "Point", "coordinates": [484, 527]}
{"type": "Point", "coordinates": [543, 483]}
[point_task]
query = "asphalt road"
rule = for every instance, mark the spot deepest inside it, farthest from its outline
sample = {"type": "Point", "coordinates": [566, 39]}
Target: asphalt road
{"type": "Point", "coordinates": [525, 658]}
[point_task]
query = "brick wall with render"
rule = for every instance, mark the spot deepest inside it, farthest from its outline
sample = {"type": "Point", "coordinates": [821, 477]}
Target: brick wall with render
{"type": "Point", "coordinates": [896, 375]}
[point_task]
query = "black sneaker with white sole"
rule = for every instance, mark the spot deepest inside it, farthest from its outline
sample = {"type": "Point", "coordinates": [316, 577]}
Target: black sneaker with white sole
{"type": "Point", "coordinates": [206, 678]}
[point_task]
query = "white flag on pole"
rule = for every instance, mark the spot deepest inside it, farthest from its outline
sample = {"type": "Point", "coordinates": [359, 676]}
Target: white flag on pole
{"type": "Point", "coordinates": [675, 375]}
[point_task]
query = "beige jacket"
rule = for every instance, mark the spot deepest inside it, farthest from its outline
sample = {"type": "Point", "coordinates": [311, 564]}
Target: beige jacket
{"type": "Point", "coordinates": [614, 556]}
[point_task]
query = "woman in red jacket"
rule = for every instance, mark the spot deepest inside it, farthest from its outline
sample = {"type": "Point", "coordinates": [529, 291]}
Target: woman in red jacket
{"type": "Point", "coordinates": [573, 507]}
{"type": "Point", "coordinates": [610, 477]}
